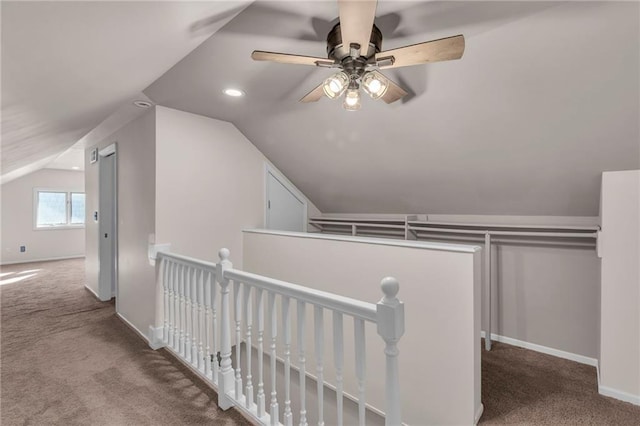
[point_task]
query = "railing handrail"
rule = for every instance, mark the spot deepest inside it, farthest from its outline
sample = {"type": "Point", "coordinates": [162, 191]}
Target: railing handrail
{"type": "Point", "coordinates": [342, 304]}
{"type": "Point", "coordinates": [186, 259]}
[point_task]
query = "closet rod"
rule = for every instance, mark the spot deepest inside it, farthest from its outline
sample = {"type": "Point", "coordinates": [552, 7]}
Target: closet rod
{"type": "Point", "coordinates": [508, 233]}
{"type": "Point", "coordinates": [480, 239]}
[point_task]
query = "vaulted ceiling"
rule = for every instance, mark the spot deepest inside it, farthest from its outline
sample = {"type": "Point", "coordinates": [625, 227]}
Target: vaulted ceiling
{"type": "Point", "coordinates": [545, 98]}
{"type": "Point", "coordinates": [67, 66]}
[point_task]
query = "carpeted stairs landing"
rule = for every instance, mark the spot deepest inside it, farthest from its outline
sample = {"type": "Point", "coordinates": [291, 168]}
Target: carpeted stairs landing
{"type": "Point", "coordinates": [67, 359]}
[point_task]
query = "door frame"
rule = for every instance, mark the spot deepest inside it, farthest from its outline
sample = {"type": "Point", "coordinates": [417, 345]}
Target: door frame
{"type": "Point", "coordinates": [106, 152]}
{"type": "Point", "coordinates": [277, 175]}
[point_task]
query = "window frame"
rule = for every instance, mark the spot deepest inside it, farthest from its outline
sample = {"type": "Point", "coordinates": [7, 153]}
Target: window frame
{"type": "Point", "coordinates": [68, 225]}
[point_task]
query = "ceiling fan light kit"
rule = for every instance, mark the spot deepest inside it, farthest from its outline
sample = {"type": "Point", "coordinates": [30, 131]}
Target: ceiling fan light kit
{"type": "Point", "coordinates": [354, 45]}
{"type": "Point", "coordinates": [352, 100]}
{"type": "Point", "coordinates": [374, 84]}
{"type": "Point", "coordinates": [335, 85]}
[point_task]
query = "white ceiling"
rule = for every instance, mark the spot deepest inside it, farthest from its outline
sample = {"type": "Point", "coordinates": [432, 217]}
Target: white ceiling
{"type": "Point", "coordinates": [67, 66]}
{"type": "Point", "coordinates": [71, 159]}
{"type": "Point", "coordinates": [545, 99]}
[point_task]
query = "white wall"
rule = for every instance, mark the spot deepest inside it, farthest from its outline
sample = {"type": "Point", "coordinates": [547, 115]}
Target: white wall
{"type": "Point", "coordinates": [136, 219]}
{"type": "Point", "coordinates": [210, 185]}
{"type": "Point", "coordinates": [185, 179]}
{"type": "Point", "coordinates": [440, 351]}
{"type": "Point", "coordinates": [18, 216]}
{"type": "Point", "coordinates": [620, 303]}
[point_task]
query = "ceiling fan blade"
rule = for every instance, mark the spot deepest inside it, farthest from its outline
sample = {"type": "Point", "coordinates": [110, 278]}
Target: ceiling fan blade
{"type": "Point", "coordinates": [394, 91]}
{"type": "Point", "coordinates": [444, 49]}
{"type": "Point", "coordinates": [285, 58]}
{"type": "Point", "coordinates": [314, 95]}
{"type": "Point", "coordinates": [356, 22]}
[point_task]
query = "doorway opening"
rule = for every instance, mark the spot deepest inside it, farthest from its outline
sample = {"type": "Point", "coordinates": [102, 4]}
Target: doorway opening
{"type": "Point", "coordinates": [107, 223]}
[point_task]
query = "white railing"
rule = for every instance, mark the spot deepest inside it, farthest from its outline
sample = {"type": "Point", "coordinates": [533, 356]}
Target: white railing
{"type": "Point", "coordinates": [197, 317]}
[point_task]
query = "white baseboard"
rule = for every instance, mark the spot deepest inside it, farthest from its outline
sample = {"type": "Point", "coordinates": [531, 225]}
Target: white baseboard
{"type": "Point", "coordinates": [478, 414]}
{"type": "Point", "coordinates": [133, 327]}
{"type": "Point", "coordinates": [155, 337]}
{"type": "Point", "coordinates": [543, 349]}
{"type": "Point", "coordinates": [92, 292]}
{"type": "Point", "coordinates": [46, 259]}
{"type": "Point", "coordinates": [622, 396]}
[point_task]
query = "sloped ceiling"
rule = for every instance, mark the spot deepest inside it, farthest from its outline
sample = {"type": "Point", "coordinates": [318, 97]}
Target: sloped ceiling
{"type": "Point", "coordinates": [545, 98]}
{"type": "Point", "coordinates": [66, 66]}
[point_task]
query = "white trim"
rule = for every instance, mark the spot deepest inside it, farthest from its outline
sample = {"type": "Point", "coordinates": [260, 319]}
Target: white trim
{"type": "Point", "coordinates": [270, 169]}
{"type": "Point", "coordinates": [93, 292]}
{"type": "Point", "coordinates": [617, 394]}
{"type": "Point", "coordinates": [46, 259]}
{"type": "Point", "coordinates": [478, 414]}
{"type": "Point", "coordinates": [133, 327]}
{"type": "Point", "coordinates": [543, 349]}
{"type": "Point", "coordinates": [378, 241]}
{"type": "Point", "coordinates": [155, 337]}
{"type": "Point", "coordinates": [108, 150]}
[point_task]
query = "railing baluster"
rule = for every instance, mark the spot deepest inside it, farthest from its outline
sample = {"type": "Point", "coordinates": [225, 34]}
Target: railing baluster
{"type": "Point", "coordinates": [176, 306]}
{"type": "Point", "coordinates": [195, 330]}
{"type": "Point", "coordinates": [201, 327]}
{"type": "Point", "coordinates": [206, 278]}
{"type": "Point", "coordinates": [338, 359]}
{"type": "Point", "coordinates": [274, 334]}
{"type": "Point", "coordinates": [172, 297]}
{"type": "Point", "coordinates": [216, 331]}
{"type": "Point", "coordinates": [300, 311]}
{"type": "Point", "coordinates": [187, 313]}
{"type": "Point", "coordinates": [318, 314]}
{"type": "Point", "coordinates": [165, 287]}
{"type": "Point", "coordinates": [249, 351]}
{"type": "Point", "coordinates": [260, 318]}
{"type": "Point", "coordinates": [182, 316]}
{"type": "Point", "coordinates": [238, 311]}
{"type": "Point", "coordinates": [286, 330]}
{"type": "Point", "coordinates": [360, 368]}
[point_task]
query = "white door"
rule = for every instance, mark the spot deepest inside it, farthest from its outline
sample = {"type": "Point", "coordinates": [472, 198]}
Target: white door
{"type": "Point", "coordinates": [285, 211]}
{"type": "Point", "coordinates": [107, 226]}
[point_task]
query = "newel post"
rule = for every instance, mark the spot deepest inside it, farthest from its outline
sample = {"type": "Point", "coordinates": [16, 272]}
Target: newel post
{"type": "Point", "coordinates": [225, 373]}
{"type": "Point", "coordinates": [390, 313]}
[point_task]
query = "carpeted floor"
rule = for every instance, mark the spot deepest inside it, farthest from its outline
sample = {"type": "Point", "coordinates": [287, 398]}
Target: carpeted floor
{"type": "Point", "coordinates": [523, 387]}
{"type": "Point", "coordinates": [67, 359]}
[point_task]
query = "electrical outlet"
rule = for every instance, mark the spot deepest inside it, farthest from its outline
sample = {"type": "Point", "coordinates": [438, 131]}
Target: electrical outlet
{"type": "Point", "coordinates": [23, 249]}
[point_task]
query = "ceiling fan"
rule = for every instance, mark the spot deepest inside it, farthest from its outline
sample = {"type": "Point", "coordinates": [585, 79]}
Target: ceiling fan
{"type": "Point", "coordinates": [354, 46]}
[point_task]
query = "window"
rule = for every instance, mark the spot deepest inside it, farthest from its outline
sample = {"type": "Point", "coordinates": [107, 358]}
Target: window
{"type": "Point", "coordinates": [57, 209]}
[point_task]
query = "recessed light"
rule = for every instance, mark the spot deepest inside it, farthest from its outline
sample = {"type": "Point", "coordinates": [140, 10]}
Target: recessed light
{"type": "Point", "coordinates": [142, 104]}
{"type": "Point", "coordinates": [75, 168]}
{"type": "Point", "coordinates": [233, 92]}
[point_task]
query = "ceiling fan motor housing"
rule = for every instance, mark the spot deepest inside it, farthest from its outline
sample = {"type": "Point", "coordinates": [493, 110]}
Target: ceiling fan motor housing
{"type": "Point", "coordinates": [336, 50]}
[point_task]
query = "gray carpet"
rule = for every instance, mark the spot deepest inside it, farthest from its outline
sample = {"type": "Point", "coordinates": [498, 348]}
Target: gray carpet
{"type": "Point", "coordinates": [67, 359]}
{"type": "Point", "coordinates": [523, 387]}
